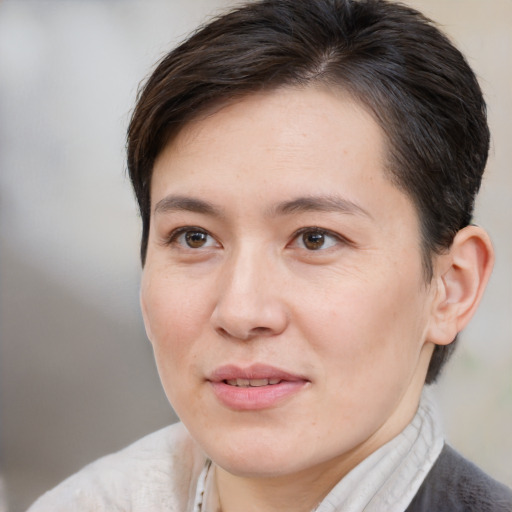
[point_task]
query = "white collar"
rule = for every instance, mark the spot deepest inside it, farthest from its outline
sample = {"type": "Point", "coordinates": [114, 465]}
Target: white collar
{"type": "Point", "coordinates": [386, 480]}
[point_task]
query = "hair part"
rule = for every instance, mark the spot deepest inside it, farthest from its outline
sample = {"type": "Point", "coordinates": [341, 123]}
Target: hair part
{"type": "Point", "coordinates": [387, 56]}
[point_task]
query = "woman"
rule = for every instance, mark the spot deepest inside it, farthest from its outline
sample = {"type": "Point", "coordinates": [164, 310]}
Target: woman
{"type": "Point", "coordinates": [306, 174]}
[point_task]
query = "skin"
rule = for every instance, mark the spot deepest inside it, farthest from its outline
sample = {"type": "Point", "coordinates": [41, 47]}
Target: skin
{"type": "Point", "coordinates": [353, 318]}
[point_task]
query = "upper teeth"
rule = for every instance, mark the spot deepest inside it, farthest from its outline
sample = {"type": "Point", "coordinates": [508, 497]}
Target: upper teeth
{"type": "Point", "coordinates": [245, 383]}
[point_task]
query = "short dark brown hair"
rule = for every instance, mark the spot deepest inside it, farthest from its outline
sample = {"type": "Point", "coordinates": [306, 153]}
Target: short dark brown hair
{"type": "Point", "coordinates": [388, 56]}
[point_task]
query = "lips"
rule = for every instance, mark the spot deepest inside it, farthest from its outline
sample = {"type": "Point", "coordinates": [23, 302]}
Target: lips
{"type": "Point", "coordinates": [255, 387]}
{"type": "Point", "coordinates": [254, 372]}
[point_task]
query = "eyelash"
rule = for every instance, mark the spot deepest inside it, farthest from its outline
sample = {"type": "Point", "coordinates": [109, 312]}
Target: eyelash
{"type": "Point", "coordinates": [177, 233]}
{"type": "Point", "coordinates": [320, 231]}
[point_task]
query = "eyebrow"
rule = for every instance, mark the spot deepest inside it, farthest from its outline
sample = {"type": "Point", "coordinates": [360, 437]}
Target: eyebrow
{"type": "Point", "coordinates": [184, 203]}
{"type": "Point", "coordinates": [319, 204]}
{"type": "Point", "coordinates": [174, 203]}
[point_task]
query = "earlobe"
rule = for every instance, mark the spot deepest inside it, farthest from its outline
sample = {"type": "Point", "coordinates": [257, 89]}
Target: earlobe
{"type": "Point", "coordinates": [461, 277]}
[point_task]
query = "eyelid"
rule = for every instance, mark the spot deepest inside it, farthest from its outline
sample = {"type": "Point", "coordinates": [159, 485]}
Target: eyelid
{"type": "Point", "coordinates": [327, 232]}
{"type": "Point", "coordinates": [176, 233]}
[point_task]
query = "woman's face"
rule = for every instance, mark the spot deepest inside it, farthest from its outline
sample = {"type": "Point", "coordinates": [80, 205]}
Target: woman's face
{"type": "Point", "coordinates": [283, 290]}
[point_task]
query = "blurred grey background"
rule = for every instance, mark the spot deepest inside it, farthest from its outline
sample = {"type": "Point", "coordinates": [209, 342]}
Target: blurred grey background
{"type": "Point", "coordinates": [77, 378]}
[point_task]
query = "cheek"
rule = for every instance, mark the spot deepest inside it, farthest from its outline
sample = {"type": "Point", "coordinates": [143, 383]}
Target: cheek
{"type": "Point", "coordinates": [369, 344]}
{"type": "Point", "coordinates": [176, 317]}
{"type": "Point", "coordinates": [368, 328]}
{"type": "Point", "coordinates": [175, 314]}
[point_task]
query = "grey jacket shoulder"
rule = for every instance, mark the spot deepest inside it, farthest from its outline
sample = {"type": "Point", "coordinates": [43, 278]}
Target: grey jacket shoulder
{"type": "Point", "coordinates": [456, 485]}
{"type": "Point", "coordinates": [156, 473]}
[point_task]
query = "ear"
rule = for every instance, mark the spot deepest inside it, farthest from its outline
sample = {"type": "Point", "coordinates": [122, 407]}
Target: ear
{"type": "Point", "coordinates": [461, 276]}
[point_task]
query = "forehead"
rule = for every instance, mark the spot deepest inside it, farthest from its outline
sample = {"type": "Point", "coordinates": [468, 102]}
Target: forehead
{"type": "Point", "coordinates": [301, 126]}
{"type": "Point", "coordinates": [277, 146]}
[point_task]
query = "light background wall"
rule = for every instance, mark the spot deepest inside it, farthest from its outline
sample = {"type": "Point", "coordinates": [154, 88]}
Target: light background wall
{"type": "Point", "coordinates": [77, 376]}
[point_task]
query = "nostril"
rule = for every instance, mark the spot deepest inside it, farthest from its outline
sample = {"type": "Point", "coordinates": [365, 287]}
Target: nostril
{"type": "Point", "coordinates": [260, 331]}
{"type": "Point", "coordinates": [222, 332]}
{"type": "Point", "coordinates": [252, 333]}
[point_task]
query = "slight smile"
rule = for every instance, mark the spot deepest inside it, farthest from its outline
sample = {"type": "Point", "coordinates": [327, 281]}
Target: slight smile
{"type": "Point", "coordinates": [255, 387]}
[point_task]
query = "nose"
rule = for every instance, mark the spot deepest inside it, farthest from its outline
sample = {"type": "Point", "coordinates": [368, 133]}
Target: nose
{"type": "Point", "coordinates": [250, 303]}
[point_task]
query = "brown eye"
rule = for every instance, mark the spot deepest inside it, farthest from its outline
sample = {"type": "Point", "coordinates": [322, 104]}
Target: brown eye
{"type": "Point", "coordinates": [196, 239]}
{"type": "Point", "coordinates": [313, 240]}
{"type": "Point", "coordinates": [190, 237]}
{"type": "Point", "coordinates": [317, 239]}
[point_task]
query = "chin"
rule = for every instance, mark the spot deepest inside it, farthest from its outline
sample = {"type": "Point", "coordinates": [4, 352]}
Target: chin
{"type": "Point", "coordinates": [251, 453]}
